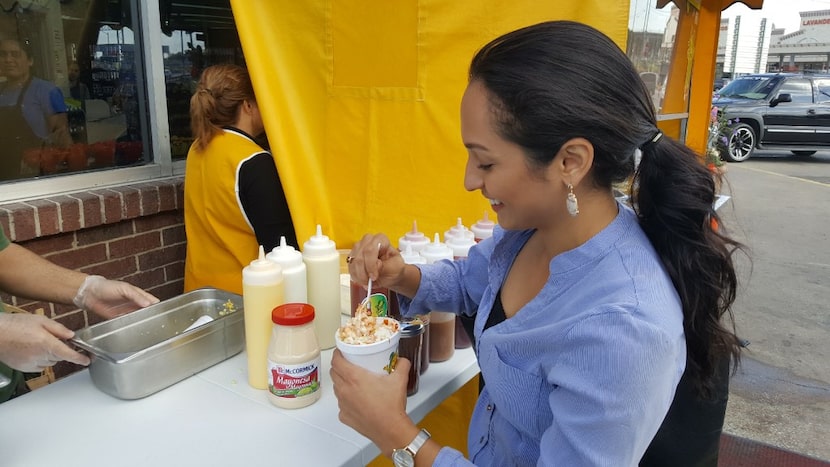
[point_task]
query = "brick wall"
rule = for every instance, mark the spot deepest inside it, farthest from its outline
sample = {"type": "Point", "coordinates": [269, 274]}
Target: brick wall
{"type": "Point", "coordinates": [132, 232]}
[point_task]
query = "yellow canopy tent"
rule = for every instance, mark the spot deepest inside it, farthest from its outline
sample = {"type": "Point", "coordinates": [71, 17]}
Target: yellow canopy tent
{"type": "Point", "coordinates": [361, 104]}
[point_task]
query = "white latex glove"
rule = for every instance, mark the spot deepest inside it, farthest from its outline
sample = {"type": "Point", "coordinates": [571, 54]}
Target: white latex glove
{"type": "Point", "coordinates": [30, 343]}
{"type": "Point", "coordinates": [109, 298]}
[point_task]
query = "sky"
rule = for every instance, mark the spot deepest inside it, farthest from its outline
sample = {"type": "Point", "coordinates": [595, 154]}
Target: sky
{"type": "Point", "coordinates": [784, 13]}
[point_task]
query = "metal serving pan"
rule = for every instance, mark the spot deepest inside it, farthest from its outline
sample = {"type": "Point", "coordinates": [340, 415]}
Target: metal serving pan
{"type": "Point", "coordinates": [140, 353]}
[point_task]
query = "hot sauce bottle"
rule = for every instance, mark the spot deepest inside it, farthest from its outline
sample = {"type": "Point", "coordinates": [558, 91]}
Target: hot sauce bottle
{"type": "Point", "coordinates": [412, 257]}
{"type": "Point", "coordinates": [441, 323]}
{"type": "Point", "coordinates": [460, 239]}
{"type": "Point", "coordinates": [414, 238]}
{"type": "Point", "coordinates": [483, 228]}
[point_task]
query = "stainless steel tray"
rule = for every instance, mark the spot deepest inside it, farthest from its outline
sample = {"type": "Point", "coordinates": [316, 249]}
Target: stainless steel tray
{"type": "Point", "coordinates": [140, 353]}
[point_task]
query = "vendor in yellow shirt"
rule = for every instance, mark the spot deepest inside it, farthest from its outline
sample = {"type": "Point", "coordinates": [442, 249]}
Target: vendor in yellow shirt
{"type": "Point", "coordinates": [233, 198]}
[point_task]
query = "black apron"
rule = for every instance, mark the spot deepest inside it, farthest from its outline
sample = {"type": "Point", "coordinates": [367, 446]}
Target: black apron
{"type": "Point", "coordinates": [16, 138]}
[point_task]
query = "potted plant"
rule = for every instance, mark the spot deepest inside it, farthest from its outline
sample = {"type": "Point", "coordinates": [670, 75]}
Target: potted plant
{"type": "Point", "coordinates": [718, 129]}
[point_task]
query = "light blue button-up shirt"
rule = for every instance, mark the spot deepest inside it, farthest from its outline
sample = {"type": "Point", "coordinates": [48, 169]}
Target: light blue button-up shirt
{"type": "Point", "coordinates": [584, 373]}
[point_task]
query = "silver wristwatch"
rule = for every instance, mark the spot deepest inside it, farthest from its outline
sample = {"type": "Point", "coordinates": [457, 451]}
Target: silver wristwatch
{"type": "Point", "coordinates": [405, 457]}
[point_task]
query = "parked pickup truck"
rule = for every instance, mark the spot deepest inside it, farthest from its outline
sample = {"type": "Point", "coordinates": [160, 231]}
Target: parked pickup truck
{"type": "Point", "coordinates": [788, 111]}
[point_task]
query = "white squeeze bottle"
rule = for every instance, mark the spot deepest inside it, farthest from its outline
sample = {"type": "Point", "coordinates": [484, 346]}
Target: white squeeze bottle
{"type": "Point", "coordinates": [457, 230]}
{"type": "Point", "coordinates": [483, 228]}
{"type": "Point", "coordinates": [411, 256]}
{"type": "Point", "coordinates": [459, 238]}
{"type": "Point", "coordinates": [436, 251]}
{"type": "Point", "coordinates": [262, 291]}
{"type": "Point", "coordinates": [441, 323]}
{"type": "Point", "coordinates": [413, 238]}
{"type": "Point", "coordinates": [322, 261]}
{"type": "Point", "coordinates": [293, 271]}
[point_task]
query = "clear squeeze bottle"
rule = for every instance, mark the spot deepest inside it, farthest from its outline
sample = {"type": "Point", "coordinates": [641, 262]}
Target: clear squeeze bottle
{"type": "Point", "coordinates": [411, 257]}
{"type": "Point", "coordinates": [436, 251]}
{"type": "Point", "coordinates": [483, 228]}
{"type": "Point", "coordinates": [413, 238]}
{"type": "Point", "coordinates": [441, 323]}
{"type": "Point", "coordinates": [322, 262]}
{"type": "Point", "coordinates": [262, 291]}
{"type": "Point", "coordinates": [460, 242]}
{"type": "Point", "coordinates": [458, 234]}
{"type": "Point", "coordinates": [459, 238]}
{"type": "Point", "coordinates": [293, 271]}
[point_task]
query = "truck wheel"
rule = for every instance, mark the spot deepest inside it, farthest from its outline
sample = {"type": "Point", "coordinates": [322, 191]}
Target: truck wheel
{"type": "Point", "coordinates": [741, 143]}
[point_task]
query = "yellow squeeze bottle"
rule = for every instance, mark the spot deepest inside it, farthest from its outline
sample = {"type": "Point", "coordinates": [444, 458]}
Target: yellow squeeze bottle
{"type": "Point", "coordinates": [262, 291]}
{"type": "Point", "coordinates": [322, 262]}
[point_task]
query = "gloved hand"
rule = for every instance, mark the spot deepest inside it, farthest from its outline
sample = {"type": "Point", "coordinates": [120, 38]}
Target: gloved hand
{"type": "Point", "coordinates": [30, 343]}
{"type": "Point", "coordinates": [109, 298]}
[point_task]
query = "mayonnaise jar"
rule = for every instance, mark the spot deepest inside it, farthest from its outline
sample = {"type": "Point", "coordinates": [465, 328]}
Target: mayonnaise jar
{"type": "Point", "coordinates": [293, 357]}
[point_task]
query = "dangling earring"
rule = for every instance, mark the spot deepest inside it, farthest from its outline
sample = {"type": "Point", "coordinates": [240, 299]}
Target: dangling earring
{"type": "Point", "coordinates": [573, 205]}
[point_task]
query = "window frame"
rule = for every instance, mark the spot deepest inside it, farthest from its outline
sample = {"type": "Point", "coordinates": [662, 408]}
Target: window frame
{"type": "Point", "coordinates": [148, 41]}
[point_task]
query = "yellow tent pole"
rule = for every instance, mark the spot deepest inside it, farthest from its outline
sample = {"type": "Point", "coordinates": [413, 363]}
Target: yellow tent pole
{"type": "Point", "coordinates": [706, 49]}
{"type": "Point", "coordinates": [689, 88]}
{"type": "Point", "coordinates": [675, 100]}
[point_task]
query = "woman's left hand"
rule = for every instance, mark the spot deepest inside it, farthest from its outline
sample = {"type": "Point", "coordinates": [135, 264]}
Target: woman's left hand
{"type": "Point", "coordinates": [373, 404]}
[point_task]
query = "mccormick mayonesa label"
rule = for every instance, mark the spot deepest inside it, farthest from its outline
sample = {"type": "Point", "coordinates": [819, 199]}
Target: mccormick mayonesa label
{"type": "Point", "coordinates": [291, 381]}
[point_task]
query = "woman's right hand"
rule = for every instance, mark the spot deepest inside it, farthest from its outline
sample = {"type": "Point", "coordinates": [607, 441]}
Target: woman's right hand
{"type": "Point", "coordinates": [374, 256]}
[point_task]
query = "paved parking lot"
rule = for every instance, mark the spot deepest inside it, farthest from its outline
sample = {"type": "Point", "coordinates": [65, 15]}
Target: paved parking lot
{"type": "Point", "coordinates": [781, 210]}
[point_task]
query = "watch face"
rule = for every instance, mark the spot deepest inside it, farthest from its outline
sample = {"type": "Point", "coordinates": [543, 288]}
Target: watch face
{"type": "Point", "coordinates": [402, 458]}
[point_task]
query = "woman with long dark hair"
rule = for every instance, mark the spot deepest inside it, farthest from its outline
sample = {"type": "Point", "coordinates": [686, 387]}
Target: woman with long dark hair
{"type": "Point", "coordinates": [587, 312]}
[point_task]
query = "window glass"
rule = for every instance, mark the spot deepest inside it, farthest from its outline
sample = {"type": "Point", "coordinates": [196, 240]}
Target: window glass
{"type": "Point", "coordinates": [197, 34]}
{"type": "Point", "coordinates": [823, 88]}
{"type": "Point", "coordinates": [651, 42]}
{"type": "Point", "coordinates": [71, 98]}
{"type": "Point", "coordinates": [750, 87]}
{"type": "Point", "coordinates": [799, 89]}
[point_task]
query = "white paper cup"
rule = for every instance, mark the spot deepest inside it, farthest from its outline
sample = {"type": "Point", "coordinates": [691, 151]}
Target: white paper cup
{"type": "Point", "coordinates": [379, 357]}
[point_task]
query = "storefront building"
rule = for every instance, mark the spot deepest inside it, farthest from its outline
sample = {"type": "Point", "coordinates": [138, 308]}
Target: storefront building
{"type": "Point", "coordinates": [750, 44]}
{"type": "Point", "coordinates": [807, 49]}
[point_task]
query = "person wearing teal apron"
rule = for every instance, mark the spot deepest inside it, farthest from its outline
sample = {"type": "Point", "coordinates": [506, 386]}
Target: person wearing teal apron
{"type": "Point", "coordinates": [33, 113]}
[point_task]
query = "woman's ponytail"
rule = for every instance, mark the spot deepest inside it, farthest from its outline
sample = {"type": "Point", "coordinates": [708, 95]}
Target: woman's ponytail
{"type": "Point", "coordinates": [673, 195]}
{"type": "Point", "coordinates": [202, 107]}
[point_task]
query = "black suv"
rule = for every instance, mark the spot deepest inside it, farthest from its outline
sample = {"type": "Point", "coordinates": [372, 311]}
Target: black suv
{"type": "Point", "coordinates": [775, 111]}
